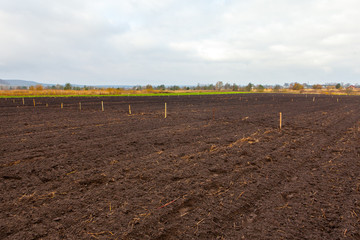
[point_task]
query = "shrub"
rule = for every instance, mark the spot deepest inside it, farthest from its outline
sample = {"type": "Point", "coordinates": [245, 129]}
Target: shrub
{"type": "Point", "coordinates": [260, 88]}
{"type": "Point", "coordinates": [317, 86]}
{"type": "Point", "coordinates": [296, 86]}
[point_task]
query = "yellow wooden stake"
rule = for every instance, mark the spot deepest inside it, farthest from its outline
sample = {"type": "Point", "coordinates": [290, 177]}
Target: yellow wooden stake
{"type": "Point", "coordinates": [313, 99]}
{"type": "Point", "coordinates": [165, 111]}
{"type": "Point", "coordinates": [280, 120]}
{"type": "Point", "coordinates": [62, 105]}
{"type": "Point", "coordinates": [80, 106]}
{"type": "Point", "coordinates": [47, 105]}
{"type": "Point", "coordinates": [23, 101]}
{"type": "Point", "coordinates": [337, 99]}
{"type": "Point", "coordinates": [34, 102]}
{"type": "Point", "coordinates": [102, 106]}
{"type": "Point", "coordinates": [129, 109]}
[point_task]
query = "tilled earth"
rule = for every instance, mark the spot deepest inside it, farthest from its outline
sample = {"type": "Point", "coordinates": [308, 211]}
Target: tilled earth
{"type": "Point", "coordinates": [217, 167]}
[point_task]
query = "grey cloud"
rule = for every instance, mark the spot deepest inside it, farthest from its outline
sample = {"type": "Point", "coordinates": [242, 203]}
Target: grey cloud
{"type": "Point", "coordinates": [180, 42]}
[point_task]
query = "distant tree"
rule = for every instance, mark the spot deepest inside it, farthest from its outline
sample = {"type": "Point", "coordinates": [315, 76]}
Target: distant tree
{"type": "Point", "coordinates": [296, 86]}
{"type": "Point", "coordinates": [161, 87]}
{"type": "Point", "coordinates": [148, 87]}
{"type": "Point", "coordinates": [329, 88]}
{"type": "Point", "coordinates": [138, 87]}
{"type": "Point", "coordinates": [39, 87]}
{"type": "Point", "coordinates": [317, 86]}
{"type": "Point", "coordinates": [31, 88]}
{"type": "Point", "coordinates": [235, 87]}
{"type": "Point", "coordinates": [58, 86]}
{"type": "Point", "coordinates": [174, 88]}
{"type": "Point", "coordinates": [348, 90]}
{"type": "Point", "coordinates": [260, 88]}
{"type": "Point", "coordinates": [209, 87]}
{"type": "Point", "coordinates": [249, 87]}
{"type": "Point", "coordinates": [67, 86]}
{"type": "Point", "coordinates": [338, 86]}
{"type": "Point", "coordinates": [277, 88]}
{"type": "Point", "coordinates": [227, 86]}
{"type": "Point", "coordinates": [219, 85]}
{"type": "Point", "coordinates": [306, 85]}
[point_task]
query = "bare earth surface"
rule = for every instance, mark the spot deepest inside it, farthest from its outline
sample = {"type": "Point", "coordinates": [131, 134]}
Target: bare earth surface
{"type": "Point", "coordinates": [216, 168]}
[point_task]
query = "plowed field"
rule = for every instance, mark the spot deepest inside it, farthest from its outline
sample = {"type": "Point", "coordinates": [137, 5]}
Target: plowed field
{"type": "Point", "coordinates": [217, 167]}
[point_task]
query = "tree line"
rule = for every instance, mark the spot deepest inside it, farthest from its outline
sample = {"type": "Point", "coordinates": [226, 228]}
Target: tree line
{"type": "Point", "coordinates": [218, 86]}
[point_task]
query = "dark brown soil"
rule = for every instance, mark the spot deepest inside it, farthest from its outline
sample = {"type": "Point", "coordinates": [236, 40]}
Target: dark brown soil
{"type": "Point", "coordinates": [216, 168]}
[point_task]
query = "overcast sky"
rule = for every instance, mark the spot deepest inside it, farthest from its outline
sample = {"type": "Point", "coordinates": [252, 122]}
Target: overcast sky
{"type": "Point", "coordinates": [183, 42]}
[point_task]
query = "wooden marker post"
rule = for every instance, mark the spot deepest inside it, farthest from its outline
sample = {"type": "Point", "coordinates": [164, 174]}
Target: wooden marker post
{"type": "Point", "coordinates": [47, 105]}
{"type": "Point", "coordinates": [280, 115]}
{"type": "Point", "coordinates": [129, 109]}
{"type": "Point", "coordinates": [337, 100]}
{"type": "Point", "coordinates": [102, 106]}
{"type": "Point", "coordinates": [23, 101]}
{"type": "Point", "coordinates": [313, 99]}
{"type": "Point", "coordinates": [62, 105]}
{"type": "Point", "coordinates": [80, 106]}
{"type": "Point", "coordinates": [165, 111]}
{"type": "Point", "coordinates": [34, 101]}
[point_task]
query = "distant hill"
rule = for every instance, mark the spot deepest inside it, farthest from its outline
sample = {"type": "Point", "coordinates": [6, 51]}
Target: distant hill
{"type": "Point", "coordinates": [4, 83]}
{"type": "Point", "coordinates": [22, 83]}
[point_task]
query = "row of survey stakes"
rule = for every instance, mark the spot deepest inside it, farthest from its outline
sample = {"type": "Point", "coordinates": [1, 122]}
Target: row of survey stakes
{"type": "Point", "coordinates": [165, 112]}
{"type": "Point", "coordinates": [102, 106]}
